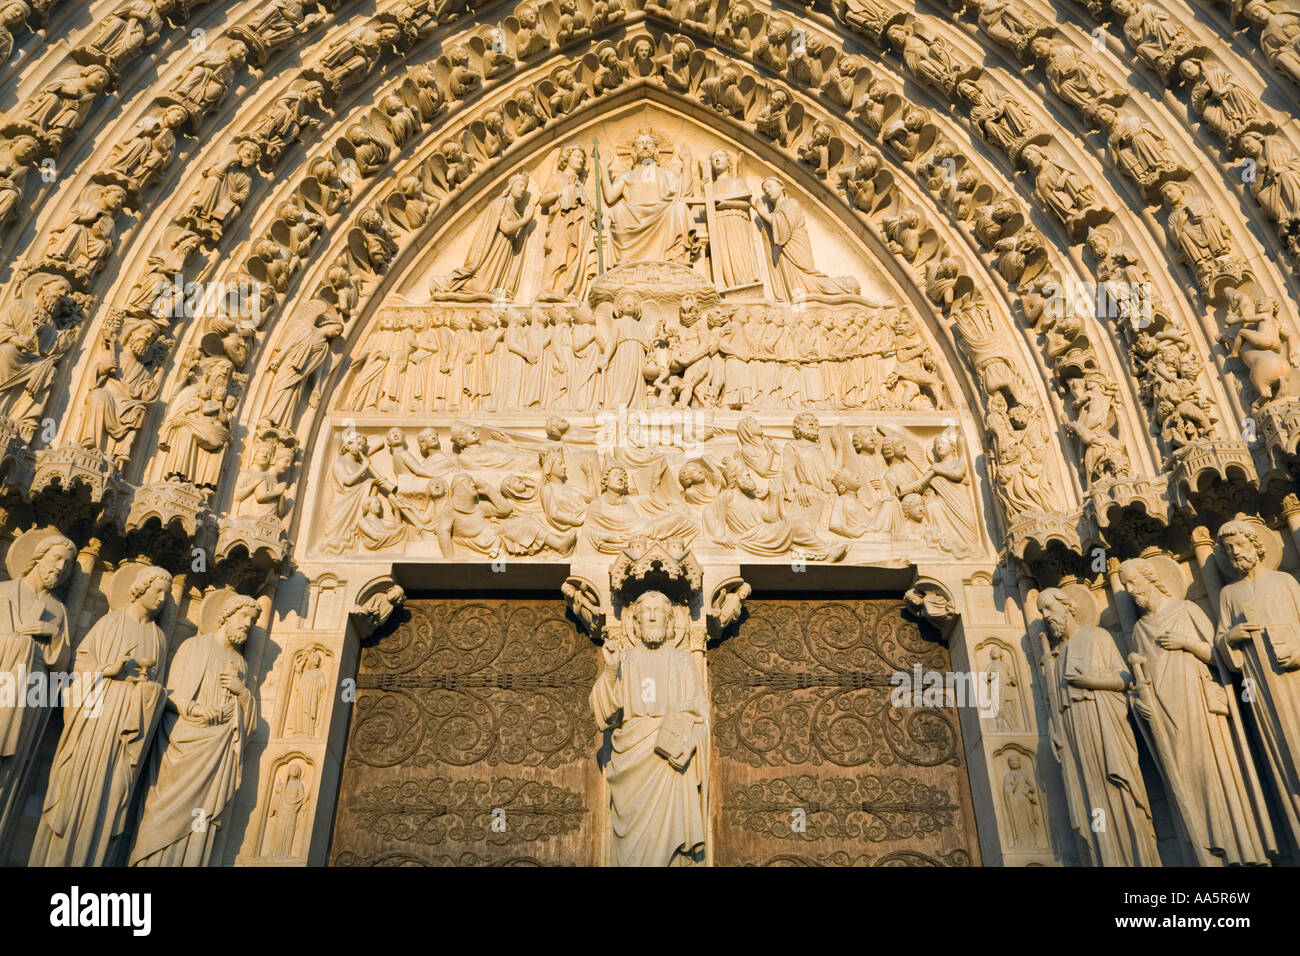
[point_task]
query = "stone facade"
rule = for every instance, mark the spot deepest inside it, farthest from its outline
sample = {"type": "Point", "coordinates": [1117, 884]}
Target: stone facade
{"type": "Point", "coordinates": [707, 375]}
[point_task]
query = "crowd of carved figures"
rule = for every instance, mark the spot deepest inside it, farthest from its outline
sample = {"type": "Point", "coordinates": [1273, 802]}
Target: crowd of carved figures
{"type": "Point", "coordinates": [464, 359]}
{"type": "Point", "coordinates": [1182, 682]}
{"type": "Point", "coordinates": [151, 372]}
{"type": "Point", "coordinates": [141, 718]}
{"type": "Point", "coordinates": [78, 247]}
{"type": "Point", "coordinates": [493, 493]}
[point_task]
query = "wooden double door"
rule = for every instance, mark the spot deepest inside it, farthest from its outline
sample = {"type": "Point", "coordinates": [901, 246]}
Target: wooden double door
{"type": "Point", "coordinates": [472, 741]}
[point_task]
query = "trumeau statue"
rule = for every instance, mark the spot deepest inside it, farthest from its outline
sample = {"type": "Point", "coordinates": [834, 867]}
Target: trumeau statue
{"type": "Point", "coordinates": [1110, 812]}
{"type": "Point", "coordinates": [34, 641]}
{"type": "Point", "coordinates": [1191, 718]}
{"type": "Point", "coordinates": [209, 714]}
{"type": "Point", "coordinates": [1259, 637]}
{"type": "Point", "coordinates": [628, 227]}
{"type": "Point", "coordinates": [651, 701]}
{"type": "Point", "coordinates": [107, 731]}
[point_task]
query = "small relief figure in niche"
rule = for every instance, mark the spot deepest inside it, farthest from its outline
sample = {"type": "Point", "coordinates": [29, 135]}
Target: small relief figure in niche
{"type": "Point", "coordinates": [1020, 797]}
{"type": "Point", "coordinates": [285, 819]}
{"type": "Point", "coordinates": [309, 692]}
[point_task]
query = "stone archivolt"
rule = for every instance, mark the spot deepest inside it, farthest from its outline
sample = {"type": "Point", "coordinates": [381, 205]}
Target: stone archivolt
{"type": "Point", "coordinates": [306, 219]}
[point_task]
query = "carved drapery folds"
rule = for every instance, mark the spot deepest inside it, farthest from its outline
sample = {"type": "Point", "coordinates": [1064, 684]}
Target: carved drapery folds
{"type": "Point", "coordinates": [581, 272]}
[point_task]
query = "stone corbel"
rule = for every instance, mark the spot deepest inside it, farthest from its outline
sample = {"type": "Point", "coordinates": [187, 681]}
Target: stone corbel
{"type": "Point", "coordinates": [930, 600]}
{"type": "Point", "coordinates": [726, 606]}
{"type": "Point", "coordinates": [585, 603]}
{"type": "Point", "coordinates": [375, 604]}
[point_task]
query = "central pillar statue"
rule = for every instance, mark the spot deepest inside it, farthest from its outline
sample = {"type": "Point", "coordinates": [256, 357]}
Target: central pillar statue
{"type": "Point", "coordinates": [651, 701]}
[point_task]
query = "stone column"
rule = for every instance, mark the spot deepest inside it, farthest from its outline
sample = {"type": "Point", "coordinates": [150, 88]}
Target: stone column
{"type": "Point", "coordinates": [285, 807]}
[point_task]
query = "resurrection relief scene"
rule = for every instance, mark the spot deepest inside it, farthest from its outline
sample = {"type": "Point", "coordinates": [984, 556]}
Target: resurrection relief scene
{"type": "Point", "coordinates": [649, 433]}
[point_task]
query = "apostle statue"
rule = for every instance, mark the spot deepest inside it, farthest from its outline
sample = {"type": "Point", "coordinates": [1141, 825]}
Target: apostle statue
{"type": "Point", "coordinates": [1259, 636]}
{"type": "Point", "coordinates": [1085, 678]}
{"type": "Point", "coordinates": [648, 217]}
{"type": "Point", "coordinates": [210, 713]}
{"type": "Point", "coordinates": [652, 701]}
{"type": "Point", "coordinates": [298, 364]}
{"type": "Point", "coordinates": [1192, 722]}
{"type": "Point", "coordinates": [33, 641]}
{"type": "Point", "coordinates": [106, 733]}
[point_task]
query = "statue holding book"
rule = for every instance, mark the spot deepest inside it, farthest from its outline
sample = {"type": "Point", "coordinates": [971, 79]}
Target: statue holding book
{"type": "Point", "coordinates": [651, 700]}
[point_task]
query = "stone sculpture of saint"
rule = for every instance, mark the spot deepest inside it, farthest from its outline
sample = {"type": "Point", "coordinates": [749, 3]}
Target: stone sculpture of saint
{"type": "Point", "coordinates": [570, 263]}
{"type": "Point", "coordinates": [197, 431]}
{"type": "Point", "coordinates": [624, 354]}
{"type": "Point", "coordinates": [1021, 799]}
{"type": "Point", "coordinates": [648, 217]}
{"type": "Point", "coordinates": [1109, 809]}
{"type": "Point", "coordinates": [126, 384]}
{"type": "Point", "coordinates": [791, 264]}
{"type": "Point", "coordinates": [298, 364]}
{"type": "Point", "coordinates": [1259, 636]}
{"type": "Point", "coordinates": [731, 247]}
{"type": "Point", "coordinates": [309, 692]}
{"type": "Point", "coordinates": [652, 701]}
{"type": "Point", "coordinates": [107, 732]}
{"type": "Point", "coordinates": [33, 641]}
{"type": "Point", "coordinates": [283, 824]}
{"type": "Point", "coordinates": [1193, 725]}
{"type": "Point", "coordinates": [496, 256]}
{"type": "Point", "coordinates": [196, 768]}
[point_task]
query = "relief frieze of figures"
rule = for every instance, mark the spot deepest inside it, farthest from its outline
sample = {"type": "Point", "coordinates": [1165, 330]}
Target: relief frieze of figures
{"type": "Point", "coordinates": [807, 488]}
{"type": "Point", "coordinates": [562, 357]}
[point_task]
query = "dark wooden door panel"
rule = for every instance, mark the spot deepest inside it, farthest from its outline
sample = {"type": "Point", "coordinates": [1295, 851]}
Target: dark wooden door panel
{"type": "Point", "coordinates": [472, 741]}
{"type": "Point", "coordinates": [812, 764]}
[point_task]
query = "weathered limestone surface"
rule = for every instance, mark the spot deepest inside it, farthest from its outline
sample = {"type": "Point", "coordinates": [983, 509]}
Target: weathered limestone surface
{"type": "Point", "coordinates": [696, 317]}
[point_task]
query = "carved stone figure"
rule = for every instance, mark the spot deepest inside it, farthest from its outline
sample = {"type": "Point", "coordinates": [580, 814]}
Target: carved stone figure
{"type": "Point", "coordinates": [496, 258]}
{"type": "Point", "coordinates": [1194, 726]}
{"type": "Point", "coordinates": [285, 820]}
{"type": "Point", "coordinates": [299, 363]}
{"type": "Point", "coordinates": [1203, 239]}
{"type": "Point", "coordinates": [648, 218]}
{"type": "Point", "coordinates": [1076, 78]}
{"type": "Point", "coordinates": [1263, 344]}
{"type": "Point", "coordinates": [790, 266]}
{"type": "Point", "coordinates": [655, 768]}
{"type": "Point", "coordinates": [219, 199]}
{"type": "Point", "coordinates": [1276, 184]}
{"type": "Point", "coordinates": [1156, 38]}
{"type": "Point", "coordinates": [1109, 808]}
{"type": "Point", "coordinates": [210, 712]}
{"type": "Point", "coordinates": [1259, 637]}
{"type": "Point", "coordinates": [309, 693]}
{"type": "Point", "coordinates": [570, 255]}
{"type": "Point", "coordinates": [1020, 797]}
{"type": "Point", "coordinates": [125, 386]}
{"type": "Point", "coordinates": [197, 429]}
{"type": "Point", "coordinates": [1279, 36]}
{"type": "Point", "coordinates": [34, 641]}
{"type": "Point", "coordinates": [107, 733]}
{"type": "Point", "coordinates": [1142, 152]}
{"type": "Point", "coordinates": [58, 108]}
{"type": "Point", "coordinates": [1094, 402]}
{"type": "Point", "coordinates": [126, 30]}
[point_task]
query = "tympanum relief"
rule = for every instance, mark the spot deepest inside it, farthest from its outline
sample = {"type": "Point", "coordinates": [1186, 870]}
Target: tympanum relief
{"type": "Point", "coordinates": [641, 336]}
